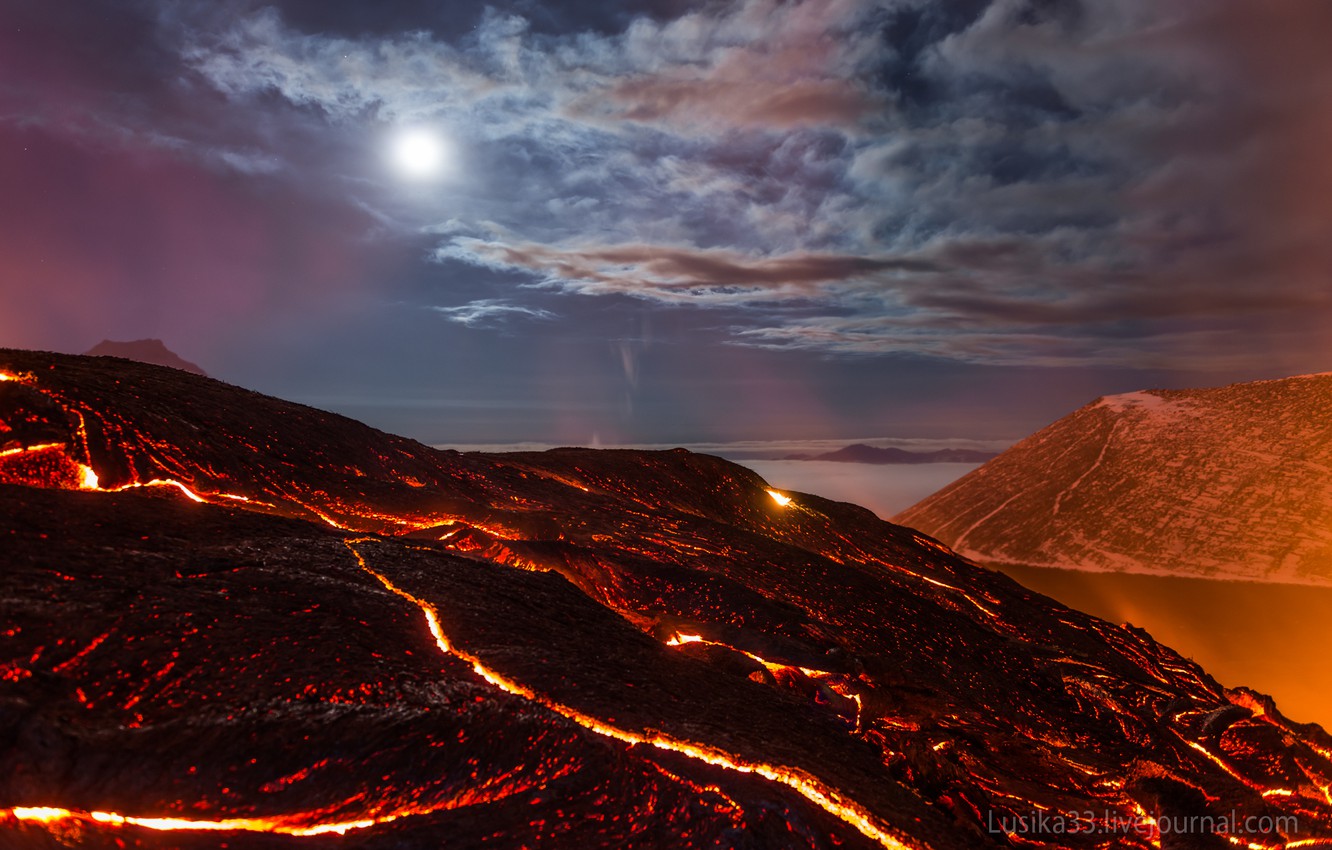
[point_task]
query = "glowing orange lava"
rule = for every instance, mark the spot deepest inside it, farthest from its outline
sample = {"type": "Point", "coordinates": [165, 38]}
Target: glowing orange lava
{"type": "Point", "coordinates": [302, 825]}
{"type": "Point", "coordinates": [805, 784]}
{"type": "Point", "coordinates": [831, 680]}
{"type": "Point", "coordinates": [156, 482]}
{"type": "Point", "coordinates": [26, 449]}
{"type": "Point", "coordinates": [42, 465]}
{"type": "Point", "coordinates": [57, 464]}
{"type": "Point", "coordinates": [289, 825]}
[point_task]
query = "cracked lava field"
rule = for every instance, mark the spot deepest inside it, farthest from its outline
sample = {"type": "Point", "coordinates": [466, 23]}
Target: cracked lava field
{"type": "Point", "coordinates": [232, 621]}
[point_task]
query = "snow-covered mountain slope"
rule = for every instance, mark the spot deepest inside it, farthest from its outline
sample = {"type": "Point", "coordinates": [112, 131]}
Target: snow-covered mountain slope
{"type": "Point", "coordinates": [1232, 482]}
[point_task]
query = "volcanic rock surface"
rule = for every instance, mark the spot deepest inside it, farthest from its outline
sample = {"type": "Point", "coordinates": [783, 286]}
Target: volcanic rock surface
{"type": "Point", "coordinates": [1233, 482]}
{"type": "Point", "coordinates": [231, 621]}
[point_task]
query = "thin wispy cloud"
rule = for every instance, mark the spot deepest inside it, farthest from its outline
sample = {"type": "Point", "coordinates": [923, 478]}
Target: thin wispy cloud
{"type": "Point", "coordinates": [489, 311]}
{"type": "Point", "coordinates": [705, 277]}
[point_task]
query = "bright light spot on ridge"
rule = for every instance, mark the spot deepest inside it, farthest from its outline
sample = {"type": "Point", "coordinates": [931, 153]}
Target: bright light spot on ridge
{"type": "Point", "coordinates": [781, 499]}
{"type": "Point", "coordinates": [419, 153]}
{"type": "Point", "coordinates": [680, 640]}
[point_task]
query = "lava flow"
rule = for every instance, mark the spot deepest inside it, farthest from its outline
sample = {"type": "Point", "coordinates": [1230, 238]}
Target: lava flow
{"type": "Point", "coordinates": [50, 816]}
{"type": "Point", "coordinates": [602, 649]}
{"type": "Point", "coordinates": [807, 786]}
{"type": "Point", "coordinates": [839, 683]}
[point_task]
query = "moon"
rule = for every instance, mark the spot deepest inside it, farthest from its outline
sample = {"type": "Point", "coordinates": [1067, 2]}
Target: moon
{"type": "Point", "coordinates": [419, 153]}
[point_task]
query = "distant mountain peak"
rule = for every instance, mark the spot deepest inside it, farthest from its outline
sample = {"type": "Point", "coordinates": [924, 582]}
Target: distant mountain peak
{"type": "Point", "coordinates": [145, 351]}
{"type": "Point", "coordinates": [1226, 482]}
{"type": "Point", "coordinates": [863, 453]}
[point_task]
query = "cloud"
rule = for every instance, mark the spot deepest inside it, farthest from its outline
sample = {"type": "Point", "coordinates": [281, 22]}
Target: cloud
{"type": "Point", "coordinates": [678, 275]}
{"type": "Point", "coordinates": [756, 63]}
{"type": "Point", "coordinates": [1201, 350]}
{"type": "Point", "coordinates": [342, 77]}
{"type": "Point", "coordinates": [1007, 179]}
{"type": "Point", "coordinates": [488, 312]}
{"type": "Point", "coordinates": [761, 64]}
{"type": "Point", "coordinates": [702, 102]}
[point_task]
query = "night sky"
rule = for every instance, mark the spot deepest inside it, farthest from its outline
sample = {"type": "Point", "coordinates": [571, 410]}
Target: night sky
{"type": "Point", "coordinates": [671, 221]}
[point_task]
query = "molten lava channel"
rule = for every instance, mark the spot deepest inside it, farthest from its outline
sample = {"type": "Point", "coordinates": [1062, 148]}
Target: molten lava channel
{"type": "Point", "coordinates": [68, 465]}
{"type": "Point", "coordinates": [288, 825]}
{"type": "Point", "coordinates": [307, 824]}
{"type": "Point", "coordinates": [803, 783]}
{"type": "Point", "coordinates": [834, 681]}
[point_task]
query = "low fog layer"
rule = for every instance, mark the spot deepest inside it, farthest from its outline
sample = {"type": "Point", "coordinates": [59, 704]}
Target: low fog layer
{"type": "Point", "coordinates": [886, 490]}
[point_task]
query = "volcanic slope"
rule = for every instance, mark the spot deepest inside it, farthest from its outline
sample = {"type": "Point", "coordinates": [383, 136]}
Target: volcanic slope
{"type": "Point", "coordinates": [231, 621]}
{"type": "Point", "coordinates": [1233, 482]}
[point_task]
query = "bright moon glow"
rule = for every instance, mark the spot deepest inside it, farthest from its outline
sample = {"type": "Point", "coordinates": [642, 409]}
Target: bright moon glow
{"type": "Point", "coordinates": [419, 154]}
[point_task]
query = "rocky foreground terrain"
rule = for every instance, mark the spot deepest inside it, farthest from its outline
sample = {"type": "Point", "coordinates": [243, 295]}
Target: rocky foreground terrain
{"type": "Point", "coordinates": [231, 621]}
{"type": "Point", "coordinates": [1233, 482]}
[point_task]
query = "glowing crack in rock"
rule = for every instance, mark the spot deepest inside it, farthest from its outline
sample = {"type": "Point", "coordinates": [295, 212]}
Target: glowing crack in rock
{"type": "Point", "coordinates": [781, 499]}
{"type": "Point", "coordinates": [824, 677]}
{"type": "Point", "coordinates": [42, 447]}
{"type": "Point", "coordinates": [48, 816]}
{"type": "Point", "coordinates": [90, 483]}
{"type": "Point", "coordinates": [300, 825]}
{"type": "Point", "coordinates": [45, 465]}
{"type": "Point", "coordinates": [798, 780]}
{"type": "Point", "coordinates": [681, 640]}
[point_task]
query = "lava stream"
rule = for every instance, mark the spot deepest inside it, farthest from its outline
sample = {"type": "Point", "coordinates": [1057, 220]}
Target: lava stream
{"type": "Point", "coordinates": [823, 676]}
{"type": "Point", "coordinates": [27, 449]}
{"type": "Point", "coordinates": [287, 825]}
{"type": "Point", "coordinates": [803, 783]}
